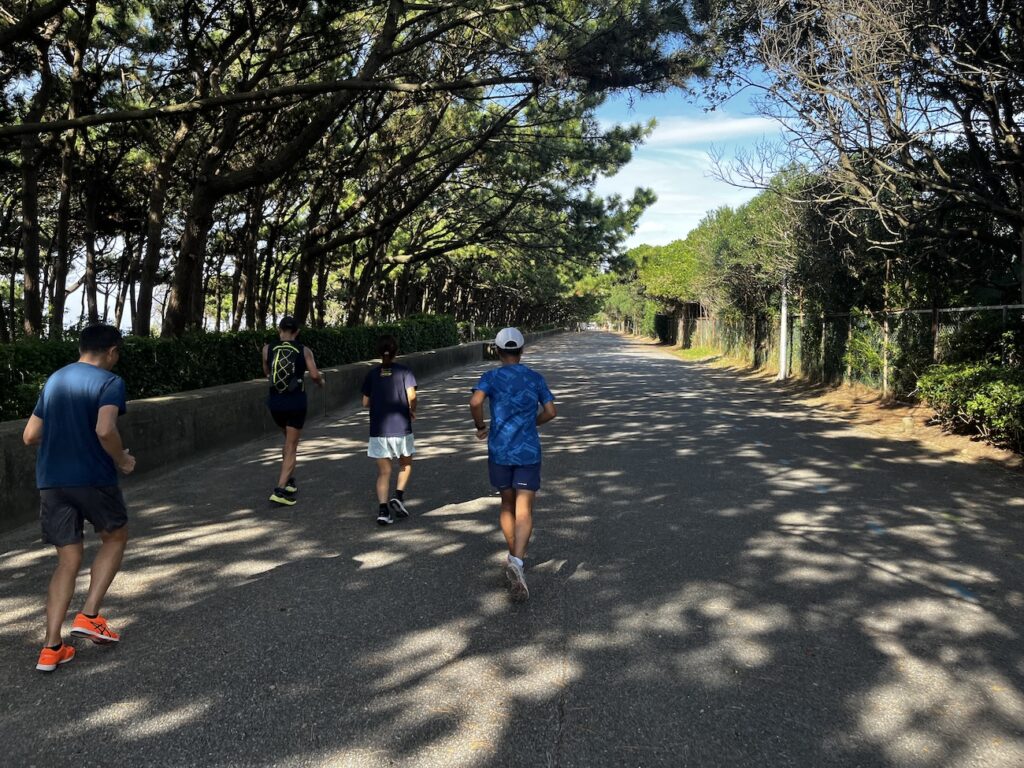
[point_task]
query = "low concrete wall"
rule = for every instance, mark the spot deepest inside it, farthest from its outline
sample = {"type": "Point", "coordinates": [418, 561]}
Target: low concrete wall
{"type": "Point", "coordinates": [161, 431]}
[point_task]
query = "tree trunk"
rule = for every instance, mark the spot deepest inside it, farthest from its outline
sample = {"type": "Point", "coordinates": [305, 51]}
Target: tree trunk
{"type": "Point", "coordinates": [31, 152]}
{"type": "Point", "coordinates": [1020, 237]}
{"type": "Point", "coordinates": [92, 306]}
{"type": "Point", "coordinates": [60, 267]}
{"type": "Point", "coordinates": [184, 309]}
{"type": "Point", "coordinates": [361, 290]}
{"type": "Point", "coordinates": [245, 304]}
{"type": "Point", "coordinates": [126, 279]}
{"type": "Point", "coordinates": [784, 334]}
{"type": "Point", "coordinates": [67, 169]}
{"type": "Point", "coordinates": [321, 294]}
{"type": "Point", "coordinates": [307, 268]}
{"type": "Point", "coordinates": [5, 335]}
{"type": "Point", "coordinates": [142, 319]}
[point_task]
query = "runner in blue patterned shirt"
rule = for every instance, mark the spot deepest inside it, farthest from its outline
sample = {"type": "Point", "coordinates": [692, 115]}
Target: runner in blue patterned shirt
{"type": "Point", "coordinates": [520, 402]}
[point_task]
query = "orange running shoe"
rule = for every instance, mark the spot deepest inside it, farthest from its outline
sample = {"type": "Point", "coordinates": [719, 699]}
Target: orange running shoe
{"type": "Point", "coordinates": [94, 629]}
{"type": "Point", "coordinates": [50, 659]}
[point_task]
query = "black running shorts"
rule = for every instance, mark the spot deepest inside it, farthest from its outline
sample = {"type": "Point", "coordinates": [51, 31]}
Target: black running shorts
{"type": "Point", "coordinates": [63, 512]}
{"type": "Point", "coordinates": [293, 419]}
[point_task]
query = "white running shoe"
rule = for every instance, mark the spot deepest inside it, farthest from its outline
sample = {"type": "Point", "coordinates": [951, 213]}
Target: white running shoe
{"type": "Point", "coordinates": [517, 582]}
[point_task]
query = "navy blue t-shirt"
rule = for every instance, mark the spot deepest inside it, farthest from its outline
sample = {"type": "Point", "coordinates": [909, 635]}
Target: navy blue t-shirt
{"type": "Point", "coordinates": [389, 401]}
{"type": "Point", "coordinates": [514, 392]}
{"type": "Point", "coordinates": [71, 455]}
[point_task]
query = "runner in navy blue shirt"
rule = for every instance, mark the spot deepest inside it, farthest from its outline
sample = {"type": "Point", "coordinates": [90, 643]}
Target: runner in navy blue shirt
{"type": "Point", "coordinates": [80, 453]}
{"type": "Point", "coordinates": [389, 391]}
{"type": "Point", "coordinates": [520, 402]}
{"type": "Point", "coordinates": [285, 363]}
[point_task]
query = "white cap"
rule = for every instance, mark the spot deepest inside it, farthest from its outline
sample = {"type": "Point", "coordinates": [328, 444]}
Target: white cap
{"type": "Point", "coordinates": [509, 339]}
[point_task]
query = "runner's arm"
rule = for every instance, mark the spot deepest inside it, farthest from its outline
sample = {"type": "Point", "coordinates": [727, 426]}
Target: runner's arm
{"type": "Point", "coordinates": [266, 365]}
{"type": "Point", "coordinates": [547, 413]}
{"type": "Point", "coordinates": [33, 434]}
{"type": "Point", "coordinates": [314, 372]}
{"type": "Point", "coordinates": [410, 394]}
{"type": "Point", "coordinates": [476, 407]}
{"type": "Point", "coordinates": [366, 401]}
{"type": "Point", "coordinates": [110, 438]}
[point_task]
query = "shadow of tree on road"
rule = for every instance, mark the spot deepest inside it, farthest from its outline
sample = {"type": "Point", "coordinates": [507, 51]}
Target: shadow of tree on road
{"type": "Point", "coordinates": [719, 577]}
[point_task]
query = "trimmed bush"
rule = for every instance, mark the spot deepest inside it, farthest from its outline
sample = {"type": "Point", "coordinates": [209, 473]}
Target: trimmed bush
{"type": "Point", "coordinates": [154, 367]}
{"type": "Point", "coordinates": [980, 398]}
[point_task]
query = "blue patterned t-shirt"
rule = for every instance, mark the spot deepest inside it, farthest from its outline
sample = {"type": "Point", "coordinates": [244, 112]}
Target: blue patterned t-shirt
{"type": "Point", "coordinates": [514, 391]}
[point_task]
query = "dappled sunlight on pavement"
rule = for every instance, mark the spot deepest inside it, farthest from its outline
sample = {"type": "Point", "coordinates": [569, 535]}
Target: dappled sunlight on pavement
{"type": "Point", "coordinates": [719, 577]}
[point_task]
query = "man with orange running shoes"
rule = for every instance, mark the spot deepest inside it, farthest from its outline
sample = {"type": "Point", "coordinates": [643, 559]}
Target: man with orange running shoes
{"type": "Point", "coordinates": [80, 453]}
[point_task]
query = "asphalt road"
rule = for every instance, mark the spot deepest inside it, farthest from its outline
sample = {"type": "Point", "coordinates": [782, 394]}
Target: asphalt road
{"type": "Point", "coordinates": [719, 577]}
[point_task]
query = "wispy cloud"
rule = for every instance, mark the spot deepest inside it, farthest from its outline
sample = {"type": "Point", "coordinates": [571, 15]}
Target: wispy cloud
{"type": "Point", "coordinates": [676, 130]}
{"type": "Point", "coordinates": [675, 162]}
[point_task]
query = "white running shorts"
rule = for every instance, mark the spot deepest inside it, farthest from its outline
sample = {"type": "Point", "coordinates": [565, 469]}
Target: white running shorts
{"type": "Point", "coordinates": [391, 447]}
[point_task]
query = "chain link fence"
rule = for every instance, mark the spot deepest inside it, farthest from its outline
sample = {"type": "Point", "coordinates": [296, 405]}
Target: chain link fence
{"type": "Point", "coordinates": [882, 350]}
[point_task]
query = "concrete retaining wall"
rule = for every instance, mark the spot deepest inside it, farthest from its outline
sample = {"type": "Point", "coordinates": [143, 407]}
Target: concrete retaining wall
{"type": "Point", "coordinates": [161, 431]}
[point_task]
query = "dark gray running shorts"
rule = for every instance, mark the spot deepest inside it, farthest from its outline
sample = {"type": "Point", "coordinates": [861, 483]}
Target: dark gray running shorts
{"type": "Point", "coordinates": [63, 512]}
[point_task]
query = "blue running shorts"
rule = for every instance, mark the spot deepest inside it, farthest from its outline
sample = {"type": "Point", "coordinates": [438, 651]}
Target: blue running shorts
{"type": "Point", "coordinates": [525, 477]}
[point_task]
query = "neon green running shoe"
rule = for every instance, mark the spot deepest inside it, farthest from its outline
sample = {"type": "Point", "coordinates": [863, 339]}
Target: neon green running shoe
{"type": "Point", "coordinates": [282, 497]}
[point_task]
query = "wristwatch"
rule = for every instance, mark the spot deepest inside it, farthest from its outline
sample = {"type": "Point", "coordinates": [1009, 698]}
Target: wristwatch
{"type": "Point", "coordinates": [479, 426]}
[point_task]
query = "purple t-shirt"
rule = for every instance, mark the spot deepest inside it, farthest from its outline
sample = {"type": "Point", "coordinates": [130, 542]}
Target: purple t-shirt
{"type": "Point", "coordinates": [389, 401]}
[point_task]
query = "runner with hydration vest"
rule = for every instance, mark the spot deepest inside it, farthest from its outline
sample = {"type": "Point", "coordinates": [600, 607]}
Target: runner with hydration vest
{"type": "Point", "coordinates": [285, 363]}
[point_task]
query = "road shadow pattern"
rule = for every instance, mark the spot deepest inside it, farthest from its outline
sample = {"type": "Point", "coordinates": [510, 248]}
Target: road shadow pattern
{"type": "Point", "coordinates": [719, 577]}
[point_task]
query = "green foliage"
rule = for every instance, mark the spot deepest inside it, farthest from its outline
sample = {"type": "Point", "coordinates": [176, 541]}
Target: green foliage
{"type": "Point", "coordinates": [981, 398]}
{"type": "Point", "coordinates": [864, 349]}
{"type": "Point", "coordinates": [985, 336]}
{"type": "Point", "coordinates": [153, 367]}
{"type": "Point", "coordinates": [24, 367]}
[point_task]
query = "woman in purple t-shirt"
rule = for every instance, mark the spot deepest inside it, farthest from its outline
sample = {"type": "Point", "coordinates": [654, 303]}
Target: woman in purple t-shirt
{"type": "Point", "coordinates": [389, 391]}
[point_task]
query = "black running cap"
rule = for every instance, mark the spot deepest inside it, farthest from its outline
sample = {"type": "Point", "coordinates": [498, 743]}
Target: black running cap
{"type": "Point", "coordinates": [288, 323]}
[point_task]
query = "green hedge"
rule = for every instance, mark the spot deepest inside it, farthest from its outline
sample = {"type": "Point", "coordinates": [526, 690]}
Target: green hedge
{"type": "Point", "coordinates": [982, 398]}
{"type": "Point", "coordinates": [153, 367]}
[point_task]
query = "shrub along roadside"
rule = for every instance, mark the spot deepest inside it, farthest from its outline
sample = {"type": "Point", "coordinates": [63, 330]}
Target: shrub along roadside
{"type": "Point", "coordinates": [981, 398]}
{"type": "Point", "coordinates": [154, 367]}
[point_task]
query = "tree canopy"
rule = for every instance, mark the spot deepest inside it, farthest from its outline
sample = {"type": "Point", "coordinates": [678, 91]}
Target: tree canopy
{"type": "Point", "coordinates": [195, 164]}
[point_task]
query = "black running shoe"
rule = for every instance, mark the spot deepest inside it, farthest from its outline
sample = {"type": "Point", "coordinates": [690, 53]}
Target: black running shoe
{"type": "Point", "coordinates": [384, 517]}
{"type": "Point", "coordinates": [398, 507]}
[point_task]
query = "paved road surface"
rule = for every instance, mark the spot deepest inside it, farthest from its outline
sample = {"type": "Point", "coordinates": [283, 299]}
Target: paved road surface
{"type": "Point", "coordinates": [719, 577]}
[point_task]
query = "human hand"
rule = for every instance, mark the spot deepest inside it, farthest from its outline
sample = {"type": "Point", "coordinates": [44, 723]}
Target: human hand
{"type": "Point", "coordinates": [481, 434]}
{"type": "Point", "coordinates": [127, 463]}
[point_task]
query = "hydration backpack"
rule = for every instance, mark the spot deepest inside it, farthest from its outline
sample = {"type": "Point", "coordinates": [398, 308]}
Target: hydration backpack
{"type": "Point", "coordinates": [285, 371]}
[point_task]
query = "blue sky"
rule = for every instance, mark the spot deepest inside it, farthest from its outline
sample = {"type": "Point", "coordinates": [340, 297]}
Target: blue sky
{"type": "Point", "coordinates": [676, 162]}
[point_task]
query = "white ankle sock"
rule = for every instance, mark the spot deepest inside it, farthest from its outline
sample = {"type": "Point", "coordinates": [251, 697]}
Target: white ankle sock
{"type": "Point", "coordinates": [513, 559]}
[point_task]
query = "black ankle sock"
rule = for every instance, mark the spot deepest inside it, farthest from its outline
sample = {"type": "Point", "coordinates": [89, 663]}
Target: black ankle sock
{"type": "Point", "coordinates": [90, 615]}
{"type": "Point", "coordinates": [383, 509]}
{"type": "Point", "coordinates": [400, 495]}
{"type": "Point", "coordinates": [56, 647]}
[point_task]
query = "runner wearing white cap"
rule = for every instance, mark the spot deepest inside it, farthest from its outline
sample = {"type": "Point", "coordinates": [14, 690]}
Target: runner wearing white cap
{"type": "Point", "coordinates": [520, 401]}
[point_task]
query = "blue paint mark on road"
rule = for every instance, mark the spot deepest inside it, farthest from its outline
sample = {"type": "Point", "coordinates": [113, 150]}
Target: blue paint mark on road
{"type": "Point", "coordinates": [963, 591]}
{"type": "Point", "coordinates": [876, 528]}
